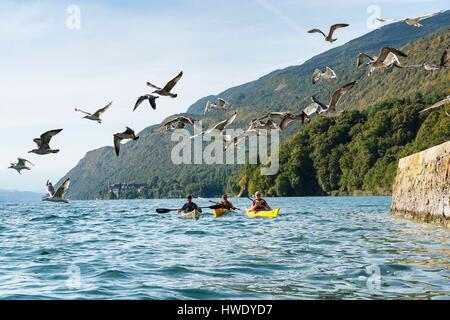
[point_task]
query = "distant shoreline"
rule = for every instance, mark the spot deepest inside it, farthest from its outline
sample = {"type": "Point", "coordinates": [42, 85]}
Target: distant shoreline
{"type": "Point", "coordinates": [7, 195]}
{"type": "Point", "coordinates": [244, 198]}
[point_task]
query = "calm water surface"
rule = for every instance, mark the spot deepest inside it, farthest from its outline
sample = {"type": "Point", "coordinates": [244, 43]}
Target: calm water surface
{"type": "Point", "coordinates": [319, 248]}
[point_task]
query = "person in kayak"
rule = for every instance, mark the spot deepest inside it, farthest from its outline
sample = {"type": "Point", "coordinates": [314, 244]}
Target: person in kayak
{"type": "Point", "coordinates": [259, 204]}
{"type": "Point", "coordinates": [189, 206]}
{"type": "Point", "coordinates": [225, 204]}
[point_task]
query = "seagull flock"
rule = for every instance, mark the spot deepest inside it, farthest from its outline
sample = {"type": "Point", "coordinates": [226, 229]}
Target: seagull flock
{"type": "Point", "coordinates": [387, 58]}
{"type": "Point", "coordinates": [413, 22]}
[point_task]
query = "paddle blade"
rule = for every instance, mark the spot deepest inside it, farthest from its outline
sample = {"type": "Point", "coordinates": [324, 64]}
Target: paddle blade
{"type": "Point", "coordinates": [163, 210]}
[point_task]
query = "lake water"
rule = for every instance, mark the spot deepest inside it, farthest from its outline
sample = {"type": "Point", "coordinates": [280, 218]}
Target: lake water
{"type": "Point", "coordinates": [318, 248]}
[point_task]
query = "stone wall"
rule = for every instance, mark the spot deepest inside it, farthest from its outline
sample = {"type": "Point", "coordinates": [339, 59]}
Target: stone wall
{"type": "Point", "coordinates": [422, 187]}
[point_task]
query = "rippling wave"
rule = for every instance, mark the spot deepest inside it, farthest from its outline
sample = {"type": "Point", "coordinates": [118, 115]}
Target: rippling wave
{"type": "Point", "coordinates": [318, 248]}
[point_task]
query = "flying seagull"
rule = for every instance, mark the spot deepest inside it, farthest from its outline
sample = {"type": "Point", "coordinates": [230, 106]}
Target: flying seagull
{"type": "Point", "coordinates": [269, 124]}
{"type": "Point", "coordinates": [426, 65]}
{"type": "Point", "coordinates": [220, 127]}
{"type": "Point", "coordinates": [433, 66]}
{"type": "Point", "coordinates": [331, 108]}
{"type": "Point", "coordinates": [312, 109]}
{"type": "Point", "coordinates": [430, 66]}
{"type": "Point", "coordinates": [285, 119]}
{"type": "Point", "coordinates": [126, 135]}
{"type": "Point", "coordinates": [437, 105]}
{"type": "Point", "coordinates": [333, 28]}
{"type": "Point", "coordinates": [302, 117]}
{"type": "Point", "coordinates": [166, 91]}
{"type": "Point", "coordinates": [151, 99]}
{"type": "Point", "coordinates": [271, 115]}
{"type": "Point", "coordinates": [58, 196]}
{"type": "Point", "coordinates": [220, 105]}
{"type": "Point", "coordinates": [20, 165]}
{"type": "Point", "coordinates": [180, 123]}
{"type": "Point", "coordinates": [327, 75]}
{"type": "Point", "coordinates": [43, 143]}
{"type": "Point", "coordinates": [413, 22]}
{"type": "Point", "coordinates": [96, 115]}
{"type": "Point", "coordinates": [387, 58]}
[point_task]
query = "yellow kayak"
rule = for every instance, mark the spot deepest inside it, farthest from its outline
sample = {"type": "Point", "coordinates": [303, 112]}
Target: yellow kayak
{"type": "Point", "coordinates": [221, 212]}
{"type": "Point", "coordinates": [263, 214]}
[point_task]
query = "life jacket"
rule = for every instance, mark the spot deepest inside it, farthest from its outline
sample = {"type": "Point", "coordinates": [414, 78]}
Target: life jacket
{"type": "Point", "coordinates": [260, 204]}
{"type": "Point", "coordinates": [190, 207]}
{"type": "Point", "coordinates": [226, 205]}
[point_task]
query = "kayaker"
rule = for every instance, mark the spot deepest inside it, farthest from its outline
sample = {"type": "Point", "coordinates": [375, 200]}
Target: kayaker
{"type": "Point", "coordinates": [225, 204]}
{"type": "Point", "coordinates": [259, 204]}
{"type": "Point", "coordinates": [189, 206]}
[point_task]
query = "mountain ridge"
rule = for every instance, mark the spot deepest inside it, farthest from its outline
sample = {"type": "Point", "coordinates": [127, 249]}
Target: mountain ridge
{"type": "Point", "coordinates": [16, 195]}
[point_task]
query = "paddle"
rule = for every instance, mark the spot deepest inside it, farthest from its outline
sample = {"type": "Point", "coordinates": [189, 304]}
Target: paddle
{"type": "Point", "coordinates": [220, 207]}
{"type": "Point", "coordinates": [172, 210]}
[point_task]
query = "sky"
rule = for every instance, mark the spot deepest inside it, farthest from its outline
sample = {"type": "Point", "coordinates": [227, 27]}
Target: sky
{"type": "Point", "coordinates": [61, 55]}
